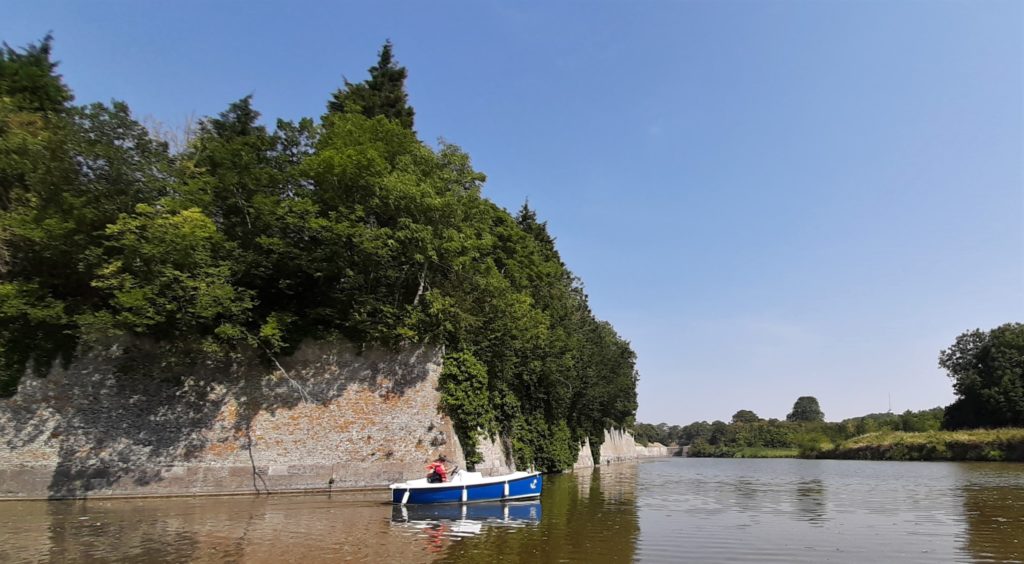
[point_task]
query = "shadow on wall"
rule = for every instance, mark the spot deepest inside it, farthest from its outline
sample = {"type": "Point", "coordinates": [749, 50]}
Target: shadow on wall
{"type": "Point", "coordinates": [124, 413]}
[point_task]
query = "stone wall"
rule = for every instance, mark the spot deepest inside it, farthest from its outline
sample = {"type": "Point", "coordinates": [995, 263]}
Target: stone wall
{"type": "Point", "coordinates": [619, 446]}
{"type": "Point", "coordinates": [585, 459]}
{"type": "Point", "coordinates": [652, 450]}
{"type": "Point", "coordinates": [118, 422]}
{"type": "Point", "coordinates": [496, 460]}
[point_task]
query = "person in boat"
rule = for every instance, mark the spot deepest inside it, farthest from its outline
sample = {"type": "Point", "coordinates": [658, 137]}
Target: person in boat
{"type": "Point", "coordinates": [436, 472]}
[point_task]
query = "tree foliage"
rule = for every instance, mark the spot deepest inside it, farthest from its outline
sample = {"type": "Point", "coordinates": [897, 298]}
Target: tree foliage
{"type": "Point", "coordinates": [251, 237]}
{"type": "Point", "coordinates": [745, 416]}
{"type": "Point", "coordinates": [987, 368]}
{"type": "Point", "coordinates": [383, 94]}
{"type": "Point", "coordinates": [744, 433]}
{"type": "Point", "coordinates": [28, 78]}
{"type": "Point", "coordinates": [806, 408]}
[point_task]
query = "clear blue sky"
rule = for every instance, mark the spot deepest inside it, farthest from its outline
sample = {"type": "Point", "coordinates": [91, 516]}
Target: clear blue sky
{"type": "Point", "coordinates": [768, 199]}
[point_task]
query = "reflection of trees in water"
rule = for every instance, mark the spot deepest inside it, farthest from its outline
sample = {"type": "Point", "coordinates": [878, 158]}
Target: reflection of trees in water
{"type": "Point", "coordinates": [588, 514]}
{"type": "Point", "coordinates": [746, 494]}
{"type": "Point", "coordinates": [995, 522]}
{"type": "Point", "coordinates": [810, 502]}
{"type": "Point", "coordinates": [806, 502]}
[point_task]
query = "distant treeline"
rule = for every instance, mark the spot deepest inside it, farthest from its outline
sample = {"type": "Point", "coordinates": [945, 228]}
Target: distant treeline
{"type": "Point", "coordinates": [747, 431]}
{"type": "Point", "coordinates": [987, 369]}
{"type": "Point", "coordinates": [243, 237]}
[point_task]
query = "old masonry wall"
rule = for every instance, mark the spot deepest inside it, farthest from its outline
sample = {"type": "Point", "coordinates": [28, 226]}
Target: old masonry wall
{"type": "Point", "coordinates": [619, 446]}
{"type": "Point", "coordinates": [118, 422]}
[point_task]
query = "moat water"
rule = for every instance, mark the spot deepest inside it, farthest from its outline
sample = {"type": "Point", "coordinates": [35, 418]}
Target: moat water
{"type": "Point", "coordinates": [671, 510]}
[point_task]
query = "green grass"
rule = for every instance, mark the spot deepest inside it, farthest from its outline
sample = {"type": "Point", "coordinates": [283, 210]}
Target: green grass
{"type": "Point", "coordinates": [979, 444]}
{"type": "Point", "coordinates": [764, 452]}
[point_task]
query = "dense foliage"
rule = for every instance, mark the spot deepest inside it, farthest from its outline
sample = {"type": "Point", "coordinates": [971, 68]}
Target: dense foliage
{"type": "Point", "coordinates": [745, 416]}
{"type": "Point", "coordinates": [987, 368]}
{"type": "Point", "coordinates": [1004, 444]}
{"type": "Point", "coordinates": [806, 408]}
{"type": "Point", "coordinates": [749, 435]}
{"type": "Point", "coordinates": [255, 238]}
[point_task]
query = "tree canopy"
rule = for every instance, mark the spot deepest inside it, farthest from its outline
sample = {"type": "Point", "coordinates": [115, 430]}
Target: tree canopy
{"type": "Point", "coordinates": [260, 238]}
{"type": "Point", "coordinates": [383, 94]}
{"type": "Point", "coordinates": [745, 416]}
{"type": "Point", "coordinates": [28, 78]}
{"type": "Point", "coordinates": [806, 408]}
{"type": "Point", "coordinates": [987, 368]}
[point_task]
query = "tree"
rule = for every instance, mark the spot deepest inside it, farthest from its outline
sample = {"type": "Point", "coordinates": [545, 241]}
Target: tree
{"type": "Point", "coordinates": [251, 237]}
{"type": "Point", "coordinates": [719, 433]}
{"type": "Point", "coordinates": [383, 94]}
{"type": "Point", "coordinates": [806, 409]}
{"type": "Point", "coordinates": [66, 174]}
{"type": "Point", "coordinates": [28, 79]}
{"type": "Point", "coordinates": [745, 416]}
{"type": "Point", "coordinates": [987, 368]}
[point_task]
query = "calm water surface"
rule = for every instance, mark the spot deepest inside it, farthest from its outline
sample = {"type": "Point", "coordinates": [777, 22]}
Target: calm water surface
{"type": "Point", "coordinates": [699, 510]}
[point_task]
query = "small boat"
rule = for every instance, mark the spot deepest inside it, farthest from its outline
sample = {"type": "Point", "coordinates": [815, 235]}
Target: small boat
{"type": "Point", "coordinates": [467, 487]}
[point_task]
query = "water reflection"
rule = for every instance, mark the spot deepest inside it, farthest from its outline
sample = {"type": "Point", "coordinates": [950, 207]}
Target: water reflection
{"type": "Point", "coordinates": [810, 502]}
{"type": "Point", "coordinates": [313, 528]}
{"type": "Point", "coordinates": [436, 523]}
{"type": "Point", "coordinates": [82, 531]}
{"type": "Point", "coordinates": [664, 511]}
{"type": "Point", "coordinates": [993, 505]}
{"type": "Point", "coordinates": [589, 516]}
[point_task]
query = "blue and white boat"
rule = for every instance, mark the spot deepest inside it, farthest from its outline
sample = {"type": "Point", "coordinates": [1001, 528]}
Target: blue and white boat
{"type": "Point", "coordinates": [467, 487]}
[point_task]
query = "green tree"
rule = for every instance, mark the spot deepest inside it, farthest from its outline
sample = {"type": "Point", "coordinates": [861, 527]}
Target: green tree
{"type": "Point", "coordinates": [29, 81]}
{"type": "Point", "coordinates": [696, 431]}
{"type": "Point", "coordinates": [349, 227]}
{"type": "Point", "coordinates": [719, 433]}
{"type": "Point", "coordinates": [66, 174]}
{"type": "Point", "coordinates": [806, 409]}
{"type": "Point", "coordinates": [383, 94]}
{"type": "Point", "coordinates": [745, 416]}
{"type": "Point", "coordinates": [921, 421]}
{"type": "Point", "coordinates": [987, 368]}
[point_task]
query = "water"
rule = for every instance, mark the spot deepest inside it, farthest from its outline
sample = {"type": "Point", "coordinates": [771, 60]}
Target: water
{"type": "Point", "coordinates": [701, 510]}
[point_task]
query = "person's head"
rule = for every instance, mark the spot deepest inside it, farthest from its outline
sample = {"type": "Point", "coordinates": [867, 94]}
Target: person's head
{"type": "Point", "coordinates": [441, 458]}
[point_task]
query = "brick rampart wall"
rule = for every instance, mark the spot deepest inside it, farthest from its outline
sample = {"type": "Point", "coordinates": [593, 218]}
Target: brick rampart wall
{"type": "Point", "coordinates": [117, 423]}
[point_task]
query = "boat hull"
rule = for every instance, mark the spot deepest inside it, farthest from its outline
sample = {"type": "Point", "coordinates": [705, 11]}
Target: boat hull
{"type": "Point", "coordinates": [516, 488]}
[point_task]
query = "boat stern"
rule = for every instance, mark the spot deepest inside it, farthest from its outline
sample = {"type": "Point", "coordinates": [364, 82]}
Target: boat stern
{"type": "Point", "coordinates": [399, 494]}
{"type": "Point", "coordinates": [527, 486]}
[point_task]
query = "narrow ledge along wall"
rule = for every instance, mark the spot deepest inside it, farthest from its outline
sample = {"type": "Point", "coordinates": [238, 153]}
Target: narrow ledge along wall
{"type": "Point", "coordinates": [120, 423]}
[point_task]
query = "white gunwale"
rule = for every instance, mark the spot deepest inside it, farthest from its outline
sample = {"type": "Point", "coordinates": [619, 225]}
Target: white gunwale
{"type": "Point", "coordinates": [463, 479]}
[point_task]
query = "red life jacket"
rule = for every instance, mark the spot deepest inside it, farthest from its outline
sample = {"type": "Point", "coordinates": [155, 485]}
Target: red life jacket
{"type": "Point", "coordinates": [439, 469]}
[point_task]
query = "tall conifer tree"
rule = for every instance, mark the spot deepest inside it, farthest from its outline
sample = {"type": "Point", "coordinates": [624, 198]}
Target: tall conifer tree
{"type": "Point", "coordinates": [382, 95]}
{"type": "Point", "coordinates": [29, 79]}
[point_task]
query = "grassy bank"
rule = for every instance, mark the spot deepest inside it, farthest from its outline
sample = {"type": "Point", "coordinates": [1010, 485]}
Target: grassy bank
{"type": "Point", "coordinates": [708, 451]}
{"type": "Point", "coordinates": [982, 444]}
{"type": "Point", "coordinates": [764, 452]}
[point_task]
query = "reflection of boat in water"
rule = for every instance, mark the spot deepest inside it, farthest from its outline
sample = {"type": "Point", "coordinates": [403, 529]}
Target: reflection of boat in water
{"type": "Point", "coordinates": [442, 523]}
{"type": "Point", "coordinates": [499, 512]}
{"type": "Point", "coordinates": [467, 487]}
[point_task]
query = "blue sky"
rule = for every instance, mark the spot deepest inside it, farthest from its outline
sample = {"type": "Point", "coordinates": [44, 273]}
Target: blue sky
{"type": "Point", "coordinates": [768, 199]}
